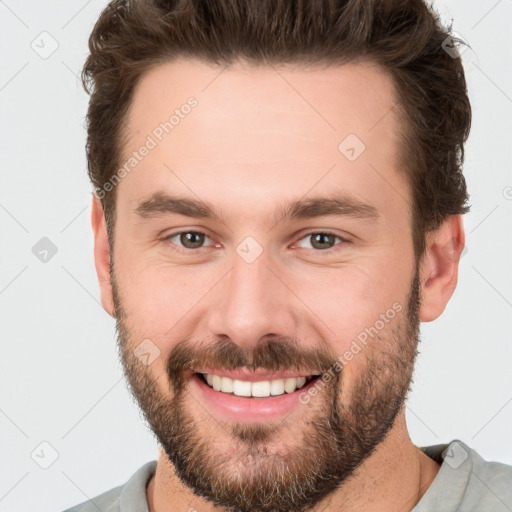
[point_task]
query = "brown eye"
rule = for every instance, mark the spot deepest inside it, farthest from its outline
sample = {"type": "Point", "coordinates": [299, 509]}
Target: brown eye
{"type": "Point", "coordinates": [321, 241]}
{"type": "Point", "coordinates": [185, 240]}
{"type": "Point", "coordinates": [191, 239]}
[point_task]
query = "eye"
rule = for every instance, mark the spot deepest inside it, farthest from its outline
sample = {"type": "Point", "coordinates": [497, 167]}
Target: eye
{"type": "Point", "coordinates": [188, 239]}
{"type": "Point", "coordinates": [321, 240]}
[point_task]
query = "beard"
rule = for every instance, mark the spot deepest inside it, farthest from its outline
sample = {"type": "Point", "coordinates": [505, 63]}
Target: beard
{"type": "Point", "coordinates": [266, 467]}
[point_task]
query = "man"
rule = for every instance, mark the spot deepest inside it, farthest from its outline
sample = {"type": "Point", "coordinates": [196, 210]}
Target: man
{"type": "Point", "coordinates": [278, 200]}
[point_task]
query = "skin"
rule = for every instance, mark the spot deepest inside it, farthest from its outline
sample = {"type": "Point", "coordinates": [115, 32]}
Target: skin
{"type": "Point", "coordinates": [253, 134]}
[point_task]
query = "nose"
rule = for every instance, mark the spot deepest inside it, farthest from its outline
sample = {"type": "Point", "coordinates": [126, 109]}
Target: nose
{"type": "Point", "coordinates": [252, 302]}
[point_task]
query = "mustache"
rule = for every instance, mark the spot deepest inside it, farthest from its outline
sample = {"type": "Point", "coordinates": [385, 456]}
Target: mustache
{"type": "Point", "coordinates": [274, 354]}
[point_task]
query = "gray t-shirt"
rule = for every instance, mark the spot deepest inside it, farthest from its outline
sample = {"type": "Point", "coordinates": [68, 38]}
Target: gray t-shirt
{"type": "Point", "coordinates": [465, 483]}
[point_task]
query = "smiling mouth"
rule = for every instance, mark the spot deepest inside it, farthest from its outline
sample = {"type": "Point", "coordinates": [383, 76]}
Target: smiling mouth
{"type": "Point", "coordinates": [255, 389]}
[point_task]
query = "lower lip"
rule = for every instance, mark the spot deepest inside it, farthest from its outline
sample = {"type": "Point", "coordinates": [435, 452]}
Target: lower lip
{"type": "Point", "coordinates": [250, 409]}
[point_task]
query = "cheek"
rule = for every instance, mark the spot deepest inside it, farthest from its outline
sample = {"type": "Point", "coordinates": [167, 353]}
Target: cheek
{"type": "Point", "coordinates": [153, 293]}
{"type": "Point", "coordinates": [160, 299]}
{"type": "Point", "coordinates": [348, 303]}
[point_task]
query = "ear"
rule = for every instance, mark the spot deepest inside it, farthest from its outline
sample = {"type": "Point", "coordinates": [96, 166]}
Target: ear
{"type": "Point", "coordinates": [102, 255]}
{"type": "Point", "coordinates": [439, 267]}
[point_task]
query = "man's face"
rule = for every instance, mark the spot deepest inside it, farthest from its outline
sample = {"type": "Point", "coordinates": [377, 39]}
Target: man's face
{"type": "Point", "coordinates": [254, 288]}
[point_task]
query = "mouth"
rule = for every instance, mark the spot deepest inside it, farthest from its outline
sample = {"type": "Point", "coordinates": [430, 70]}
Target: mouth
{"type": "Point", "coordinates": [240, 401]}
{"type": "Point", "coordinates": [255, 389]}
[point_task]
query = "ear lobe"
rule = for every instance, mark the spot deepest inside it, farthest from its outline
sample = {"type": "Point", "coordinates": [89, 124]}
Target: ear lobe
{"type": "Point", "coordinates": [439, 267]}
{"type": "Point", "coordinates": [102, 255]}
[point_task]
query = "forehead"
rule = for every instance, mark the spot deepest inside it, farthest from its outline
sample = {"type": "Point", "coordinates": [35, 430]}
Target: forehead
{"type": "Point", "coordinates": [264, 132]}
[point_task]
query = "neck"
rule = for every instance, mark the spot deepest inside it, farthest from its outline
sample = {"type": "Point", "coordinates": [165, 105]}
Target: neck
{"type": "Point", "coordinates": [394, 477]}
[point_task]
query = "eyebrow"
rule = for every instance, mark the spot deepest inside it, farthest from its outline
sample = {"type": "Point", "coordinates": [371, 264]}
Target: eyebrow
{"type": "Point", "coordinates": [159, 204]}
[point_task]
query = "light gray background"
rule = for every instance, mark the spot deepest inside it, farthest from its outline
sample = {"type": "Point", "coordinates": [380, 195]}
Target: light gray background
{"type": "Point", "coordinates": [61, 382]}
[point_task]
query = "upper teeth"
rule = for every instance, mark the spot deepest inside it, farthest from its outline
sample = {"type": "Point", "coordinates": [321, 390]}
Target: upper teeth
{"type": "Point", "coordinates": [257, 389]}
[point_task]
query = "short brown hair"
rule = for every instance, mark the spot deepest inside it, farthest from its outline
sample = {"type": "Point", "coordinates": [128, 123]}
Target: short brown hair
{"type": "Point", "coordinates": [405, 37]}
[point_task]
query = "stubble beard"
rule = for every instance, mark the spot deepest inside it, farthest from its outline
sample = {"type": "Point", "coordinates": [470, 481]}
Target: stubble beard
{"type": "Point", "coordinates": [262, 471]}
